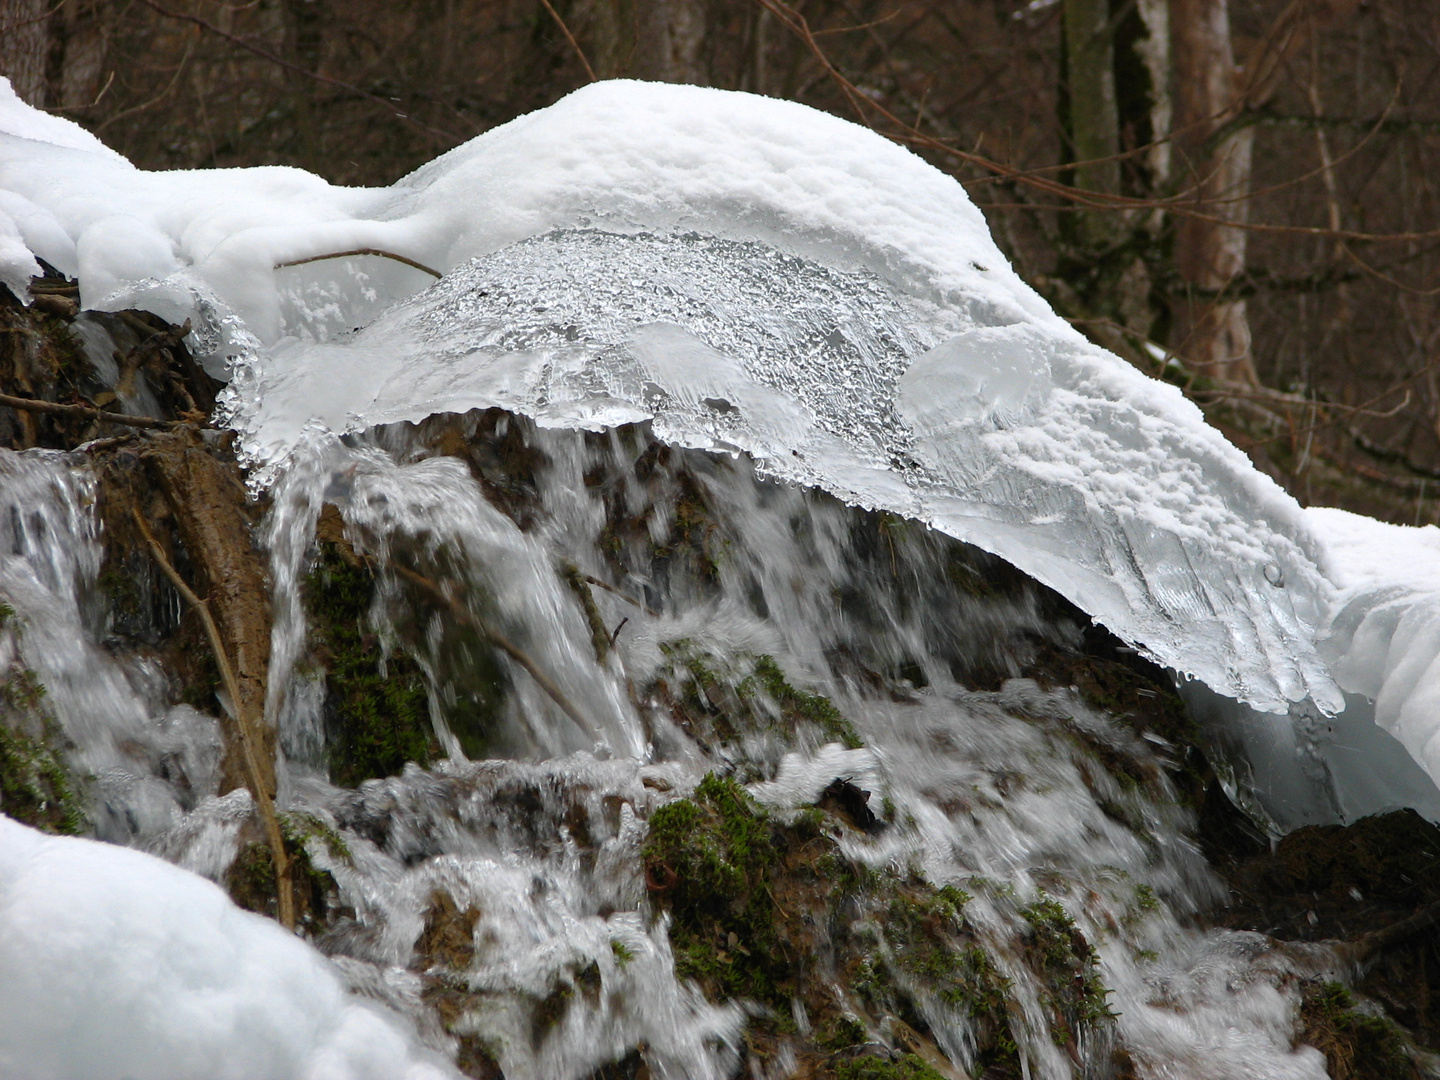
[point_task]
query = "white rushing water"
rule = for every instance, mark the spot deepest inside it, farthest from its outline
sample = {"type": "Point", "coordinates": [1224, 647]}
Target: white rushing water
{"type": "Point", "coordinates": [1009, 793]}
{"type": "Point", "coordinates": [761, 374]}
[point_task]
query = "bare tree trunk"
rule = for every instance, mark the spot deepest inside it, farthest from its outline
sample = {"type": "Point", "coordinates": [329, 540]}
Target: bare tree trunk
{"type": "Point", "coordinates": [77, 55]}
{"type": "Point", "coordinates": [25, 48]}
{"type": "Point", "coordinates": [671, 36]}
{"type": "Point", "coordinates": [612, 29]}
{"type": "Point", "coordinates": [1211, 332]}
{"type": "Point", "coordinates": [1094, 117]}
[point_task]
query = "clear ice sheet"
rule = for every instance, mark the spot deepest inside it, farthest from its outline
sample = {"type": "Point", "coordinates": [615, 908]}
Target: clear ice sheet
{"type": "Point", "coordinates": [1007, 433]}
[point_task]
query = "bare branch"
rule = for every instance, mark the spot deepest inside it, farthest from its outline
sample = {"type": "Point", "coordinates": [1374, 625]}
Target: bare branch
{"type": "Point", "coordinates": [570, 38]}
{"type": "Point", "coordinates": [55, 408]}
{"type": "Point", "coordinates": [250, 740]}
{"type": "Point", "coordinates": [364, 251]}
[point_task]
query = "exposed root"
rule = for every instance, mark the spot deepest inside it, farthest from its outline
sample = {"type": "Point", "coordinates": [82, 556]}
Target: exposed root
{"type": "Point", "coordinates": [245, 725]}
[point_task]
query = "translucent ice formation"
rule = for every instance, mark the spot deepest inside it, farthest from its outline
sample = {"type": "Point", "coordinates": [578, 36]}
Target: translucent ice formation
{"type": "Point", "coordinates": [751, 274]}
{"type": "Point", "coordinates": [1383, 636]}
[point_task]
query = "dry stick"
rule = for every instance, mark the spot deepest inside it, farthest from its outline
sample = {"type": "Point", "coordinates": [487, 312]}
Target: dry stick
{"type": "Point", "coordinates": [599, 632]}
{"type": "Point", "coordinates": [249, 737]}
{"type": "Point", "coordinates": [1377, 941]}
{"type": "Point", "coordinates": [570, 38]}
{"type": "Point", "coordinates": [623, 596]}
{"type": "Point", "coordinates": [501, 642]}
{"type": "Point", "coordinates": [89, 413]}
{"type": "Point", "coordinates": [364, 251]}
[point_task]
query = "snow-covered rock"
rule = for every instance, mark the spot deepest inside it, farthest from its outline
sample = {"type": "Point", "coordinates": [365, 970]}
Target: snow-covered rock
{"type": "Point", "coordinates": [115, 964]}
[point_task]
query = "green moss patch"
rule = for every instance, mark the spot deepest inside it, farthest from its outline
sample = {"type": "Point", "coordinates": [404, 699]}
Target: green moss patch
{"type": "Point", "coordinates": [250, 881]}
{"type": "Point", "coordinates": [1058, 950]}
{"type": "Point", "coordinates": [36, 787]}
{"type": "Point", "coordinates": [377, 708]}
{"type": "Point", "coordinates": [905, 1067]}
{"type": "Point", "coordinates": [773, 912]}
{"type": "Point", "coordinates": [711, 857]}
{"type": "Point", "coordinates": [1356, 1045]}
{"type": "Point", "coordinates": [720, 702]}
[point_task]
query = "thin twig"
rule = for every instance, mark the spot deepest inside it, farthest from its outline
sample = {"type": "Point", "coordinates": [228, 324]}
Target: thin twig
{"type": "Point", "coordinates": [1377, 941]}
{"type": "Point", "coordinates": [570, 38]}
{"type": "Point", "coordinates": [616, 635]}
{"type": "Point", "coordinates": [30, 405]}
{"type": "Point", "coordinates": [244, 724]}
{"type": "Point", "coordinates": [1179, 205]}
{"type": "Point", "coordinates": [364, 251]}
{"type": "Point", "coordinates": [623, 596]}
{"type": "Point", "coordinates": [504, 644]}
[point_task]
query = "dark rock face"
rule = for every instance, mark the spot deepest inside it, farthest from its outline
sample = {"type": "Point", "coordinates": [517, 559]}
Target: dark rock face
{"type": "Point", "coordinates": [1333, 882]}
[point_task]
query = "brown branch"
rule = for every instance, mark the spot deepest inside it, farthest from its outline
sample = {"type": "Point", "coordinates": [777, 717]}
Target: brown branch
{"type": "Point", "coordinates": [250, 740]}
{"type": "Point", "coordinates": [570, 38]}
{"type": "Point", "coordinates": [1377, 941]}
{"type": "Point", "coordinates": [363, 251]}
{"type": "Point", "coordinates": [580, 585]}
{"type": "Point", "coordinates": [504, 644]}
{"type": "Point", "coordinates": [89, 413]}
{"type": "Point", "coordinates": [623, 596]}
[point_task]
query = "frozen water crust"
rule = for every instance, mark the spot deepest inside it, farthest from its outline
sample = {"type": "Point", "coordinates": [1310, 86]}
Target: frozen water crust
{"type": "Point", "coordinates": [1383, 634]}
{"type": "Point", "coordinates": [749, 274]}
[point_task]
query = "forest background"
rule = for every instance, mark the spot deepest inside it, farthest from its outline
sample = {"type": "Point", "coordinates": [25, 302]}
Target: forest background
{"type": "Point", "coordinates": [1236, 195]}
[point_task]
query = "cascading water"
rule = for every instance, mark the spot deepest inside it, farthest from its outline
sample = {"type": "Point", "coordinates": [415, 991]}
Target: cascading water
{"type": "Point", "coordinates": [743, 626]}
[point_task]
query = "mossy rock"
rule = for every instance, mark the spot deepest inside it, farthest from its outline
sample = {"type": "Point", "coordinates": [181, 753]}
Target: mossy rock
{"type": "Point", "coordinates": [1059, 952]}
{"type": "Point", "coordinates": [250, 881]}
{"type": "Point", "coordinates": [36, 786]}
{"type": "Point", "coordinates": [773, 912]}
{"type": "Point", "coordinates": [377, 707]}
{"type": "Point", "coordinates": [1356, 1045]}
{"type": "Point", "coordinates": [904, 1067]}
{"type": "Point", "coordinates": [721, 702]}
{"type": "Point", "coordinates": [711, 858]}
{"type": "Point", "coordinates": [36, 789]}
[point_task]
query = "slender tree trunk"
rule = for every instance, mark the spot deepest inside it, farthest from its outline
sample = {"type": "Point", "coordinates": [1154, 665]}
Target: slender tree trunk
{"type": "Point", "coordinates": [1094, 116]}
{"type": "Point", "coordinates": [1211, 332]}
{"type": "Point", "coordinates": [671, 37]}
{"type": "Point", "coordinates": [612, 30]}
{"type": "Point", "coordinates": [25, 48]}
{"type": "Point", "coordinates": [206, 497]}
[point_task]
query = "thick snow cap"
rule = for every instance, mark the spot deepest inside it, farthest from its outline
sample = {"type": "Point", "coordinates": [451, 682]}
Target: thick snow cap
{"type": "Point", "coordinates": [115, 963]}
{"type": "Point", "coordinates": [749, 275]}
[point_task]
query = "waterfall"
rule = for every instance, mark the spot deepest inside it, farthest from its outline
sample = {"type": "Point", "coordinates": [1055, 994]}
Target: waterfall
{"type": "Point", "coordinates": [696, 618]}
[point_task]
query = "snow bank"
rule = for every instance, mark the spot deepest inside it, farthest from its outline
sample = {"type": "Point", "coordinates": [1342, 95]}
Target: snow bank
{"type": "Point", "coordinates": [116, 964]}
{"type": "Point", "coordinates": [1383, 635]}
{"type": "Point", "coordinates": [749, 274]}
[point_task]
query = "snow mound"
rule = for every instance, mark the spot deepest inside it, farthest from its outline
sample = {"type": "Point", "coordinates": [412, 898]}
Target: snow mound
{"type": "Point", "coordinates": [749, 274]}
{"type": "Point", "coordinates": [114, 963]}
{"type": "Point", "coordinates": [1383, 634]}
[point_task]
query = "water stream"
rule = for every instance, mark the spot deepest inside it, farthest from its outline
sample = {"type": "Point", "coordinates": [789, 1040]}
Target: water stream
{"type": "Point", "coordinates": [695, 577]}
